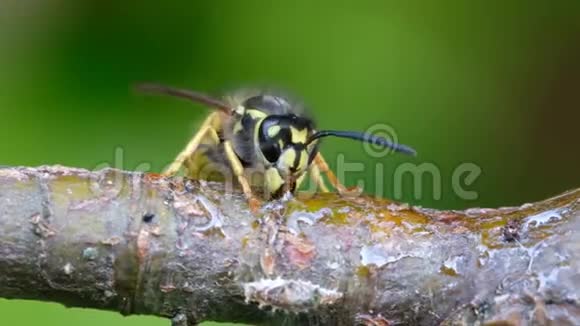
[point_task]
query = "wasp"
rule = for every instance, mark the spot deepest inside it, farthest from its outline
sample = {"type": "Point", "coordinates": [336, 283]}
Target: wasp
{"type": "Point", "coordinates": [267, 143]}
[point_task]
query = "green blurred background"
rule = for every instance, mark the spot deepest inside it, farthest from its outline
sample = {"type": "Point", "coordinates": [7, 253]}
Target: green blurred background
{"type": "Point", "coordinates": [496, 84]}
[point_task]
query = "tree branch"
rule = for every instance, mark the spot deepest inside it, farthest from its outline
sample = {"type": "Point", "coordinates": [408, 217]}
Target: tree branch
{"type": "Point", "coordinates": [140, 244]}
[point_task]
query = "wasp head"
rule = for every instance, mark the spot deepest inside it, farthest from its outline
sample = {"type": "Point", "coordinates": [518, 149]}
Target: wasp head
{"type": "Point", "coordinates": [283, 141]}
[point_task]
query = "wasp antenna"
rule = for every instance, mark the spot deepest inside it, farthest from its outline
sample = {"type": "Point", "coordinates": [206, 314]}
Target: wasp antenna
{"type": "Point", "coordinates": [183, 93]}
{"type": "Point", "coordinates": [364, 137]}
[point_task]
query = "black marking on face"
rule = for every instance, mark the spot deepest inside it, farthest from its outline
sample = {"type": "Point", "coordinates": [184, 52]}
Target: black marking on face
{"type": "Point", "coordinates": [270, 143]}
{"type": "Point", "coordinates": [296, 161]}
{"type": "Point", "coordinates": [298, 149]}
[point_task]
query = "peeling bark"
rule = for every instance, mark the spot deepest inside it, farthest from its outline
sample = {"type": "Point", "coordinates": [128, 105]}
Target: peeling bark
{"type": "Point", "coordinates": [184, 250]}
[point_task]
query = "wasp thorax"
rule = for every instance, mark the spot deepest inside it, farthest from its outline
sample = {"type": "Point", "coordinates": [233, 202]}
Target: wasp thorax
{"type": "Point", "coordinates": [268, 103]}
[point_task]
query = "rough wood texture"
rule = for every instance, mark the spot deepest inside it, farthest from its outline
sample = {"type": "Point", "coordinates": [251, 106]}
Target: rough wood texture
{"type": "Point", "coordinates": [139, 244]}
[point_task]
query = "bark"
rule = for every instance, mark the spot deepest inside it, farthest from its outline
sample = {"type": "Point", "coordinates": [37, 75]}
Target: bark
{"type": "Point", "coordinates": [140, 244]}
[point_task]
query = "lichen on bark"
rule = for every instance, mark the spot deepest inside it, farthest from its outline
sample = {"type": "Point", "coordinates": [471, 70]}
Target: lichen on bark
{"type": "Point", "coordinates": [186, 250]}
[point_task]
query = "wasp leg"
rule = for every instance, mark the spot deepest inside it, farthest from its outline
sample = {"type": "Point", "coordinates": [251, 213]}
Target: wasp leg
{"type": "Point", "coordinates": [323, 166]}
{"type": "Point", "coordinates": [316, 177]}
{"type": "Point", "coordinates": [238, 170]}
{"type": "Point", "coordinates": [205, 130]}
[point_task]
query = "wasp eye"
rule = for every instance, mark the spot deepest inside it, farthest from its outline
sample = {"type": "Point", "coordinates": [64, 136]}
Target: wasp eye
{"type": "Point", "coordinates": [271, 151]}
{"type": "Point", "coordinates": [270, 138]}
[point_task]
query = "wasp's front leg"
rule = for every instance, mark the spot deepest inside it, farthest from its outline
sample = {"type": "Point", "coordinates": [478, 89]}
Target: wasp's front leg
{"type": "Point", "coordinates": [316, 177]}
{"type": "Point", "coordinates": [323, 167]}
{"type": "Point", "coordinates": [238, 170]}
